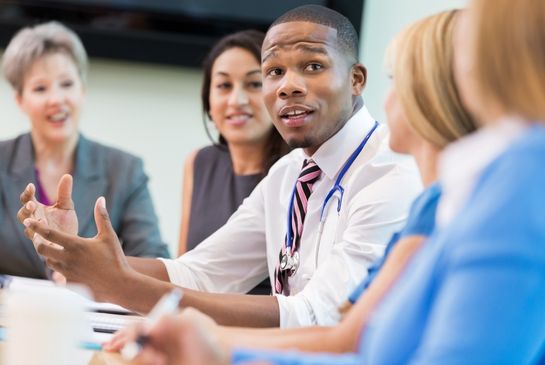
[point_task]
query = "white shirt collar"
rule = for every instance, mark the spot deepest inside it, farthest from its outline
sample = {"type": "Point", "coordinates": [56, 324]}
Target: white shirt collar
{"type": "Point", "coordinates": [462, 162]}
{"type": "Point", "coordinates": [332, 154]}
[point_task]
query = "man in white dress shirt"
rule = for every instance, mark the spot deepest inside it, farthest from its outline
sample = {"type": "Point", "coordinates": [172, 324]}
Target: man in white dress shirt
{"type": "Point", "coordinates": [312, 86]}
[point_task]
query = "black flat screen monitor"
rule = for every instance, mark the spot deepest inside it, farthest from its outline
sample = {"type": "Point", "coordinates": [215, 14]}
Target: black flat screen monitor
{"type": "Point", "coordinates": [175, 32]}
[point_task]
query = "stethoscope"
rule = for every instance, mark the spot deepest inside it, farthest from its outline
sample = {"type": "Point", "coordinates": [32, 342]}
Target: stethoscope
{"type": "Point", "coordinates": [290, 260]}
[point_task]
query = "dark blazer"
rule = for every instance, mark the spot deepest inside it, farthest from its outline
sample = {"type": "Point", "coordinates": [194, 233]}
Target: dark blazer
{"type": "Point", "coordinates": [98, 171]}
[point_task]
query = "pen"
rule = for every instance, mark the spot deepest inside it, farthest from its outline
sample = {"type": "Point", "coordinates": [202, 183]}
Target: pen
{"type": "Point", "coordinates": [92, 346]}
{"type": "Point", "coordinates": [5, 280]}
{"type": "Point", "coordinates": [168, 304]}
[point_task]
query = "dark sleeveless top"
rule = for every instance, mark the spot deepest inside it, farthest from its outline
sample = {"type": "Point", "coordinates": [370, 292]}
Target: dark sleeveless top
{"type": "Point", "coordinates": [217, 193]}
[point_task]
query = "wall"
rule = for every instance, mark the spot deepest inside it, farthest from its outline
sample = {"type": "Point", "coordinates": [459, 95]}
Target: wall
{"type": "Point", "coordinates": [382, 20]}
{"type": "Point", "coordinates": [154, 111]}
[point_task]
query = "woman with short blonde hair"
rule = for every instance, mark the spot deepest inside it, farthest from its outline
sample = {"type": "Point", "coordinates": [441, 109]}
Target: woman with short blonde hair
{"type": "Point", "coordinates": [47, 67]}
{"type": "Point", "coordinates": [31, 43]}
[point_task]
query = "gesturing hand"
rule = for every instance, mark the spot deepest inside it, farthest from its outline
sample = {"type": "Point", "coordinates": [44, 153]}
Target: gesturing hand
{"type": "Point", "coordinates": [97, 262]}
{"type": "Point", "coordinates": [60, 216]}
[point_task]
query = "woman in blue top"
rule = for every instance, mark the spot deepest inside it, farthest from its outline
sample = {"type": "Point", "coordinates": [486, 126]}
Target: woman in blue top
{"type": "Point", "coordinates": [475, 293]}
{"type": "Point", "coordinates": [424, 117]}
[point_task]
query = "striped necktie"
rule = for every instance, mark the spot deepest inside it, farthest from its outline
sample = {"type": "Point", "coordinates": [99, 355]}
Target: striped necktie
{"type": "Point", "coordinates": [303, 188]}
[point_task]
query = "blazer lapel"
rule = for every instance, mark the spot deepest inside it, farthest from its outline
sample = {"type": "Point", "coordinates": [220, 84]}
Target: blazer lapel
{"type": "Point", "coordinates": [20, 174]}
{"type": "Point", "coordinates": [89, 183]}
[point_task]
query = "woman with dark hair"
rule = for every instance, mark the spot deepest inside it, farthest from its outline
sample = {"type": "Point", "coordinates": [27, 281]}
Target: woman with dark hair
{"type": "Point", "coordinates": [217, 178]}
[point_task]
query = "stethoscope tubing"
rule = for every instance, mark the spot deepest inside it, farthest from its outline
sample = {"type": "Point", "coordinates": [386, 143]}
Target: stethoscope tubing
{"type": "Point", "coordinates": [336, 187]}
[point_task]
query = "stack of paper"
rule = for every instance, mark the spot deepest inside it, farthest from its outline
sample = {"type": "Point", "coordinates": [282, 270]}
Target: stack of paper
{"type": "Point", "coordinates": [105, 318]}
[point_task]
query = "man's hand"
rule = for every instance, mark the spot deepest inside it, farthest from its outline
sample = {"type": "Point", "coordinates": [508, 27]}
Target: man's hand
{"type": "Point", "coordinates": [60, 216]}
{"type": "Point", "coordinates": [97, 262]}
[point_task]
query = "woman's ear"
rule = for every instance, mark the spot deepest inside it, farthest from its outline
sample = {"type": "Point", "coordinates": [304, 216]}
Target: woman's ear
{"type": "Point", "coordinates": [19, 99]}
{"type": "Point", "coordinates": [359, 78]}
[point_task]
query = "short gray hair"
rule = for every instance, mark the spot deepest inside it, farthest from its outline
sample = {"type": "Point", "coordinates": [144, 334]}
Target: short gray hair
{"type": "Point", "coordinates": [31, 43]}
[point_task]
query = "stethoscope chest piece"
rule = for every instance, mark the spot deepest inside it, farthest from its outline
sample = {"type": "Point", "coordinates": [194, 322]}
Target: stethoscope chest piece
{"type": "Point", "coordinates": [290, 263]}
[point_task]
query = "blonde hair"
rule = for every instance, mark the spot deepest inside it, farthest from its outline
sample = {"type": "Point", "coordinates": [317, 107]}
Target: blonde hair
{"type": "Point", "coordinates": [32, 43]}
{"type": "Point", "coordinates": [421, 59]}
{"type": "Point", "coordinates": [509, 55]}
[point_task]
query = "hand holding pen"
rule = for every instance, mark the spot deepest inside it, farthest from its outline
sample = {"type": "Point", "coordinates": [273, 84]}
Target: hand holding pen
{"type": "Point", "coordinates": [168, 304]}
{"type": "Point", "coordinates": [186, 338]}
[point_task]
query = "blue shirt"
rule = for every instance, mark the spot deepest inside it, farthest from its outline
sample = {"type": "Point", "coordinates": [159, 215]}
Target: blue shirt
{"type": "Point", "coordinates": [475, 293]}
{"type": "Point", "coordinates": [420, 222]}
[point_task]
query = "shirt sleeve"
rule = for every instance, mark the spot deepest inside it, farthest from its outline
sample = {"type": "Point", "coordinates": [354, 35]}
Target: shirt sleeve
{"type": "Point", "coordinates": [489, 308]}
{"type": "Point", "coordinates": [233, 259]}
{"type": "Point", "coordinates": [374, 213]}
{"type": "Point", "coordinates": [293, 358]}
{"type": "Point", "coordinates": [139, 227]}
{"type": "Point", "coordinates": [421, 220]}
{"type": "Point", "coordinates": [373, 271]}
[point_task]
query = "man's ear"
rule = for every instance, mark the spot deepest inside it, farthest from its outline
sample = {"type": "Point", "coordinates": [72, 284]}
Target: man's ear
{"type": "Point", "coordinates": [359, 78]}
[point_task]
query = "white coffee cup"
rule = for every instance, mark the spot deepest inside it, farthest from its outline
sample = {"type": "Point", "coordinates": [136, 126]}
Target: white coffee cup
{"type": "Point", "coordinates": [44, 326]}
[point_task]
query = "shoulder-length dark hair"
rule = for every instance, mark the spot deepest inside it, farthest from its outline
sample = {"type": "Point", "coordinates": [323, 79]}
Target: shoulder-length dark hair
{"type": "Point", "coordinates": [251, 41]}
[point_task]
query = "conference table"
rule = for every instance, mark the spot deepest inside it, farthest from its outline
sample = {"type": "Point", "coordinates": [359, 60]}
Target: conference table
{"type": "Point", "coordinates": [106, 358]}
{"type": "Point", "coordinates": [96, 357]}
{"type": "Point", "coordinates": [101, 318]}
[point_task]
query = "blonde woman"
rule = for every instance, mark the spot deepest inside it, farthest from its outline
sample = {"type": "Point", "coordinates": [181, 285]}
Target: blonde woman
{"type": "Point", "coordinates": [425, 114]}
{"type": "Point", "coordinates": [475, 292]}
{"type": "Point", "coordinates": [47, 67]}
